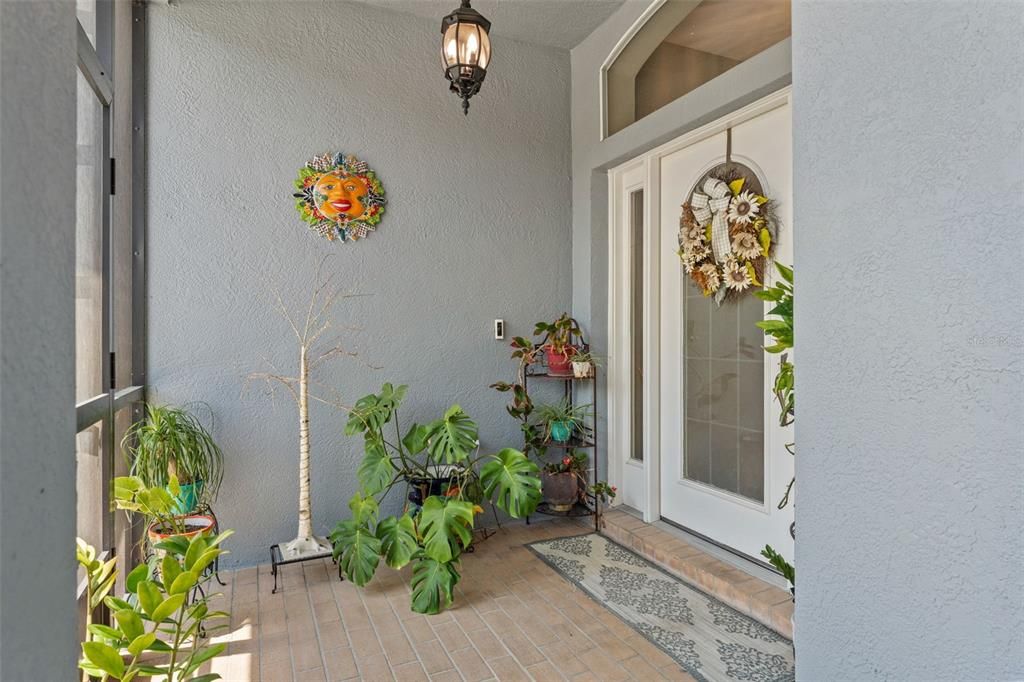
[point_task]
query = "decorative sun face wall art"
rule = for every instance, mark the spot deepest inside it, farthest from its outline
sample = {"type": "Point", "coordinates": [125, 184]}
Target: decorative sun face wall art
{"type": "Point", "coordinates": [339, 197]}
{"type": "Point", "coordinates": [727, 232]}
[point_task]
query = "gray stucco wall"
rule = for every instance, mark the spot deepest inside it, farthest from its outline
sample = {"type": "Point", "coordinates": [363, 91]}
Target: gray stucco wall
{"type": "Point", "coordinates": [38, 624]}
{"type": "Point", "coordinates": [477, 228]}
{"type": "Point", "coordinates": [907, 174]}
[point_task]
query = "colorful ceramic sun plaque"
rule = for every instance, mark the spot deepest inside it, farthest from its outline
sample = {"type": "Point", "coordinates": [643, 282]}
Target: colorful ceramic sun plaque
{"type": "Point", "coordinates": [339, 197]}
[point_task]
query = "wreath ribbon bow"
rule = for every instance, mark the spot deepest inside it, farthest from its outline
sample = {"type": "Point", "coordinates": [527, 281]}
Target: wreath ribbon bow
{"type": "Point", "coordinates": [713, 205]}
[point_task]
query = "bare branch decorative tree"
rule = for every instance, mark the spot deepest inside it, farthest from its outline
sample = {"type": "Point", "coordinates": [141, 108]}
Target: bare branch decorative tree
{"type": "Point", "coordinates": [314, 350]}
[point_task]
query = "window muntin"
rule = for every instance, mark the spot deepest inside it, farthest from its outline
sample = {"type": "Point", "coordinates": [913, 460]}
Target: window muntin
{"type": "Point", "coordinates": [723, 376]}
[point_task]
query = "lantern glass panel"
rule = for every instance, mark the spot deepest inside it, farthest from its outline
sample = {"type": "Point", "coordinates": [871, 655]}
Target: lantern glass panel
{"type": "Point", "coordinates": [467, 44]}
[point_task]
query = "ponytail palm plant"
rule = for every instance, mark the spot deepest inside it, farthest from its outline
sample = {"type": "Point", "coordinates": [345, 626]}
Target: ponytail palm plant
{"type": "Point", "coordinates": [431, 537]}
{"type": "Point", "coordinates": [170, 442]}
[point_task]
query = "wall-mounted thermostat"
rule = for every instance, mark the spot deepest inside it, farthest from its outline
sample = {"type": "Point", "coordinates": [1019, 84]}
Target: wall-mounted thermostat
{"type": "Point", "coordinates": [499, 329]}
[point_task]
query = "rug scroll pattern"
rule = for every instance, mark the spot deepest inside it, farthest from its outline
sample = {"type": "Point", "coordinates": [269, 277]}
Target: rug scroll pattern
{"type": "Point", "coordinates": [709, 639]}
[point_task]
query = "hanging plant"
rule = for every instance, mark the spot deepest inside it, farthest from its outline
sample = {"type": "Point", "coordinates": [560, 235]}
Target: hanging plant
{"type": "Point", "coordinates": [727, 232]}
{"type": "Point", "coordinates": [339, 197]}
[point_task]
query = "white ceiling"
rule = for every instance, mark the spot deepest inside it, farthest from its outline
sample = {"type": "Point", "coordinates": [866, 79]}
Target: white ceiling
{"type": "Point", "coordinates": [554, 23]}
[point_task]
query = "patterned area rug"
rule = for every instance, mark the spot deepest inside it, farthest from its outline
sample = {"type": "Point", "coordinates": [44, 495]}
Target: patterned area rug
{"type": "Point", "coordinates": [710, 640]}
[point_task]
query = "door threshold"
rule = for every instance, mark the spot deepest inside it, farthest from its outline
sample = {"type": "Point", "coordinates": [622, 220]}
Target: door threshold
{"type": "Point", "coordinates": [744, 562]}
{"type": "Point", "coordinates": [738, 581]}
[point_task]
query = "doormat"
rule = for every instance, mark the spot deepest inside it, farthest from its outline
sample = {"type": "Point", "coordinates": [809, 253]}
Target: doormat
{"type": "Point", "coordinates": [710, 640]}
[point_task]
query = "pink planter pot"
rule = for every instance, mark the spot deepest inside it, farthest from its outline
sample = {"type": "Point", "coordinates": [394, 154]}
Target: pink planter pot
{"type": "Point", "coordinates": [560, 364]}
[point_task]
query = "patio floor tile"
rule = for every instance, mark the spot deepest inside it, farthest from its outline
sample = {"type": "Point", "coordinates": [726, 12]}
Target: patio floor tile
{"type": "Point", "coordinates": [513, 619]}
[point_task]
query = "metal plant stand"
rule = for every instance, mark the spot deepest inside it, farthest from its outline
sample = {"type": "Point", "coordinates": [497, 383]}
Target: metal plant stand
{"type": "Point", "coordinates": [590, 505]}
{"type": "Point", "coordinates": [277, 559]}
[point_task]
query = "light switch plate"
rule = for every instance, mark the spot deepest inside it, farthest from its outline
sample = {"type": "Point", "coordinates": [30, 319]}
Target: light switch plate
{"type": "Point", "coordinates": [499, 329]}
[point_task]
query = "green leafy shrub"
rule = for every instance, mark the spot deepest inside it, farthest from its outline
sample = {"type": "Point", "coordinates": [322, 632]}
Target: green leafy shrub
{"type": "Point", "coordinates": [781, 330]}
{"type": "Point", "coordinates": [161, 627]}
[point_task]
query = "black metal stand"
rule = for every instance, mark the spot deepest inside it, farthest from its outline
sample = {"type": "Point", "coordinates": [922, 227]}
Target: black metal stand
{"type": "Point", "coordinates": [277, 559]}
{"type": "Point", "coordinates": [591, 505]}
{"type": "Point", "coordinates": [207, 510]}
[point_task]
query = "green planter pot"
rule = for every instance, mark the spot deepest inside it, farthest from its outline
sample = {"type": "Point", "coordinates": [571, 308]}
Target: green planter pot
{"type": "Point", "coordinates": [190, 493]}
{"type": "Point", "coordinates": [560, 431]}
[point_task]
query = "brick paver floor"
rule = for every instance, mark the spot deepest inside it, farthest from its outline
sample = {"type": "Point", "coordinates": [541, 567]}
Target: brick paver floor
{"type": "Point", "coordinates": [513, 619]}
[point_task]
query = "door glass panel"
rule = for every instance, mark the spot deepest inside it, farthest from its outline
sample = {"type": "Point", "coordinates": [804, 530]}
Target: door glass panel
{"type": "Point", "coordinates": [724, 394]}
{"type": "Point", "coordinates": [685, 44]}
{"type": "Point", "coordinates": [636, 227]}
{"type": "Point", "coordinates": [88, 247]}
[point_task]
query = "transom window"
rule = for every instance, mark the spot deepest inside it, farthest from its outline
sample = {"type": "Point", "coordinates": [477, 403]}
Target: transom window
{"type": "Point", "coordinates": [685, 44]}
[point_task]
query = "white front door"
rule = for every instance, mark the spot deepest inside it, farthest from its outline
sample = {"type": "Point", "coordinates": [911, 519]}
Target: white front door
{"type": "Point", "coordinates": [723, 462]}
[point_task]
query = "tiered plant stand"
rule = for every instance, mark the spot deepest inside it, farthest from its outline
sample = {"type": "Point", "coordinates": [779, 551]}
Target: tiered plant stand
{"type": "Point", "coordinates": [570, 386]}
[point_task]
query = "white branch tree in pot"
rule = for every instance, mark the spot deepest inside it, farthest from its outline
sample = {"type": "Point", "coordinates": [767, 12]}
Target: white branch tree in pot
{"type": "Point", "coordinates": [310, 326]}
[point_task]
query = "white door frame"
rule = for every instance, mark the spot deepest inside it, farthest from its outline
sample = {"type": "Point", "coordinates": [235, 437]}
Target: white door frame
{"type": "Point", "coordinates": [619, 398]}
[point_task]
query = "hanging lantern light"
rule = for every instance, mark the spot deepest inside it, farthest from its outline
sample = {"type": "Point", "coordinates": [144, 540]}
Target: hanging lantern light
{"type": "Point", "coordinates": [465, 51]}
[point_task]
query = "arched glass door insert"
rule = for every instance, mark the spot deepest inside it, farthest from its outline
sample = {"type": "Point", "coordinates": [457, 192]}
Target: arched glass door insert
{"type": "Point", "coordinates": [684, 44]}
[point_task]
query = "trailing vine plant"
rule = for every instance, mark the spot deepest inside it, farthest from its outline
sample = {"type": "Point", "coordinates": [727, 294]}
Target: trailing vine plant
{"type": "Point", "coordinates": [781, 330]}
{"type": "Point", "coordinates": [557, 336]}
{"type": "Point", "coordinates": [521, 406]}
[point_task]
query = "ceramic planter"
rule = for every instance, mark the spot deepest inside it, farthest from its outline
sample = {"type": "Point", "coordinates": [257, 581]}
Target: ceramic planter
{"type": "Point", "coordinates": [582, 370]}
{"type": "Point", "coordinates": [560, 490]}
{"type": "Point", "coordinates": [422, 487]}
{"type": "Point", "coordinates": [187, 498]}
{"type": "Point", "coordinates": [560, 364]}
{"type": "Point", "coordinates": [195, 524]}
{"type": "Point", "coordinates": [561, 431]}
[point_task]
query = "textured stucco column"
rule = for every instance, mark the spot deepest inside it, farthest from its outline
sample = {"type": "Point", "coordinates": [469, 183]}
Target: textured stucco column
{"type": "Point", "coordinates": [38, 620]}
{"type": "Point", "coordinates": [908, 180]}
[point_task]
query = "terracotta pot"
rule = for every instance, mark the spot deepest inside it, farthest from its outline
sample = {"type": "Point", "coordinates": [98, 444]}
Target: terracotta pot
{"type": "Point", "coordinates": [560, 364]}
{"type": "Point", "coordinates": [560, 490]}
{"type": "Point", "coordinates": [197, 524]}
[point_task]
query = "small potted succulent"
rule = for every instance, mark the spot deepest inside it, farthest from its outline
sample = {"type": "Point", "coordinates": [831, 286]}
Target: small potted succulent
{"type": "Point", "coordinates": [558, 343]}
{"type": "Point", "coordinates": [172, 442]}
{"type": "Point", "coordinates": [562, 420]}
{"type": "Point", "coordinates": [583, 364]}
{"type": "Point", "coordinates": [563, 482]}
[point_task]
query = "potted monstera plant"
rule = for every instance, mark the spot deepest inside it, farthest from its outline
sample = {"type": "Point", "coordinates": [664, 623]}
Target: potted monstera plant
{"type": "Point", "coordinates": [441, 461]}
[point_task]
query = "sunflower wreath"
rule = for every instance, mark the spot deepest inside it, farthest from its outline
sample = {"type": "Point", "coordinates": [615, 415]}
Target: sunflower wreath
{"type": "Point", "coordinates": [339, 197]}
{"type": "Point", "coordinates": [727, 232]}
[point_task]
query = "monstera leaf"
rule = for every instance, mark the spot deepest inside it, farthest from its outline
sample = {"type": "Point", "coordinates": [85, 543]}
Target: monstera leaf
{"type": "Point", "coordinates": [376, 471]}
{"type": "Point", "coordinates": [364, 509]}
{"type": "Point", "coordinates": [372, 412]}
{"type": "Point", "coordinates": [453, 437]}
{"type": "Point", "coordinates": [432, 585]}
{"type": "Point", "coordinates": [357, 550]}
{"type": "Point", "coordinates": [398, 540]}
{"type": "Point", "coordinates": [446, 526]}
{"type": "Point", "coordinates": [415, 440]}
{"type": "Point", "coordinates": [511, 481]}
